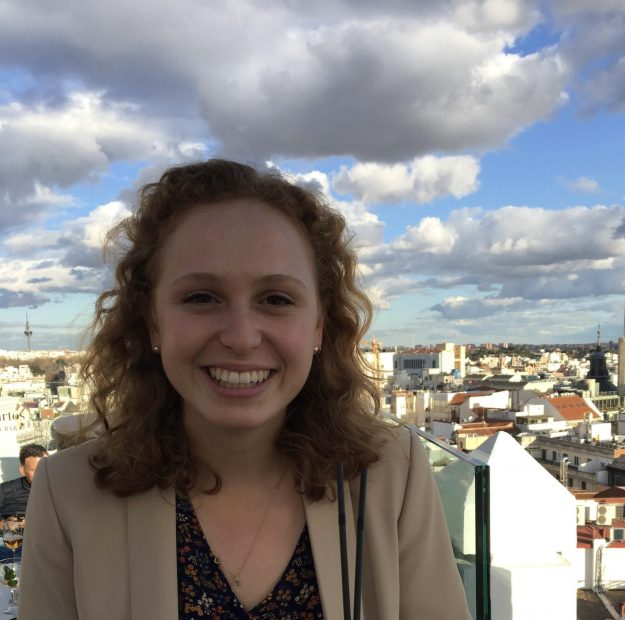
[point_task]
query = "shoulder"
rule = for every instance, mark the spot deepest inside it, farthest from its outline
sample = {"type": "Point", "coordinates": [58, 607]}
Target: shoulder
{"type": "Point", "coordinates": [72, 461]}
{"type": "Point", "coordinates": [399, 448]}
{"type": "Point", "coordinates": [67, 473]}
{"type": "Point", "coordinates": [8, 483]}
{"type": "Point", "coordinates": [64, 485]}
{"type": "Point", "coordinates": [403, 465]}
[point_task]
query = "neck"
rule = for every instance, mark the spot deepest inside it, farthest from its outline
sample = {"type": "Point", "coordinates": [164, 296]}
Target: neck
{"type": "Point", "coordinates": [238, 456]}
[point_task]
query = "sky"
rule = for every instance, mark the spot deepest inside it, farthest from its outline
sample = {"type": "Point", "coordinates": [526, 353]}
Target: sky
{"type": "Point", "coordinates": [475, 147]}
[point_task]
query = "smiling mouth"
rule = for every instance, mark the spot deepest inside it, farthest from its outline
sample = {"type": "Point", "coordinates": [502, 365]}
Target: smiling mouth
{"type": "Point", "coordinates": [233, 379]}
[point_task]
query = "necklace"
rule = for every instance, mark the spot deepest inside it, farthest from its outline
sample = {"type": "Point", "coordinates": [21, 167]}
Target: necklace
{"type": "Point", "coordinates": [217, 559]}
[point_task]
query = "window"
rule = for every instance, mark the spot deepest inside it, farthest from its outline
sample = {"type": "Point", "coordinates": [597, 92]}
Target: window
{"type": "Point", "coordinates": [543, 454]}
{"type": "Point", "coordinates": [413, 364]}
{"type": "Point", "coordinates": [554, 456]}
{"type": "Point", "coordinates": [583, 483]}
{"type": "Point", "coordinates": [576, 461]}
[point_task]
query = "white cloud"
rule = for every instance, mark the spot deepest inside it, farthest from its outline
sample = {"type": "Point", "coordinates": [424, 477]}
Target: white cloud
{"type": "Point", "coordinates": [430, 236]}
{"type": "Point", "coordinates": [575, 8]}
{"type": "Point", "coordinates": [48, 146]}
{"type": "Point", "coordinates": [423, 180]}
{"type": "Point", "coordinates": [513, 252]}
{"type": "Point", "coordinates": [91, 230]}
{"type": "Point", "coordinates": [383, 83]}
{"type": "Point", "coordinates": [41, 262]}
{"type": "Point", "coordinates": [503, 15]}
{"type": "Point", "coordinates": [30, 277]}
{"type": "Point", "coordinates": [44, 195]}
{"type": "Point", "coordinates": [365, 226]}
{"type": "Point", "coordinates": [454, 308]}
{"type": "Point", "coordinates": [584, 184]}
{"type": "Point", "coordinates": [594, 48]}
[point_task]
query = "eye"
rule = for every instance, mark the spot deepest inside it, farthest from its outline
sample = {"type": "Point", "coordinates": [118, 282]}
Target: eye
{"type": "Point", "coordinates": [278, 299]}
{"type": "Point", "coordinates": [199, 297]}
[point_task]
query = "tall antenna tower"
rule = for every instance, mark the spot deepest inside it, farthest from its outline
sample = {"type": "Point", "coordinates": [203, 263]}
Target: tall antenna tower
{"type": "Point", "coordinates": [28, 333]}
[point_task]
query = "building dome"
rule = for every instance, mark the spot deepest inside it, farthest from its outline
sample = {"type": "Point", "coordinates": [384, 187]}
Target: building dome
{"type": "Point", "coordinates": [599, 370]}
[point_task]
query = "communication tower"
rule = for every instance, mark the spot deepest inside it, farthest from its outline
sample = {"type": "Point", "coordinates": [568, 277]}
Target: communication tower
{"type": "Point", "coordinates": [28, 333]}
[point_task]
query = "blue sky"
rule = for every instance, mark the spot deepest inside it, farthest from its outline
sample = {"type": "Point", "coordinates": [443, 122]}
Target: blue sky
{"type": "Point", "coordinates": [476, 148]}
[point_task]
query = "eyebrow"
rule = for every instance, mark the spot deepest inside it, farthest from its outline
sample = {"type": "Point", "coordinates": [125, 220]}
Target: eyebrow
{"type": "Point", "coordinates": [200, 277]}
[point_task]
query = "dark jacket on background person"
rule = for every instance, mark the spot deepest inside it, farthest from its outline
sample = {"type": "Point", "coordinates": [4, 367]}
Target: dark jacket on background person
{"type": "Point", "coordinates": [14, 497]}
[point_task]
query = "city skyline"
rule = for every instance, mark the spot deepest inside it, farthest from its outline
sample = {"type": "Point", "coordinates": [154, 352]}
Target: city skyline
{"type": "Point", "coordinates": [475, 147]}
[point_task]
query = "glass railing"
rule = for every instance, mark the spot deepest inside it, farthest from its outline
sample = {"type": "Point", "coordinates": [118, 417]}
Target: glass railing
{"type": "Point", "coordinates": [463, 484]}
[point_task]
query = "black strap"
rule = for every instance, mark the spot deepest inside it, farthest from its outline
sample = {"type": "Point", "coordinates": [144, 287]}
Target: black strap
{"type": "Point", "coordinates": [360, 528]}
{"type": "Point", "coordinates": [347, 614]}
{"type": "Point", "coordinates": [360, 537]}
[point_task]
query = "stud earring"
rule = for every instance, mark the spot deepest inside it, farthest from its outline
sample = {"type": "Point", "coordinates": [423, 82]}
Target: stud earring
{"type": "Point", "coordinates": [316, 349]}
{"type": "Point", "coordinates": [156, 349]}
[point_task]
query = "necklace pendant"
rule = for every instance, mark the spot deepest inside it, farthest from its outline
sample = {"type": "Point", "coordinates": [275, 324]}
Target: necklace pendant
{"type": "Point", "coordinates": [216, 559]}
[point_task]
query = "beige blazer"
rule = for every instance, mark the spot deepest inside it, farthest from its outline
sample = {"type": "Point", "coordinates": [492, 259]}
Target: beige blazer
{"type": "Point", "coordinates": [89, 555]}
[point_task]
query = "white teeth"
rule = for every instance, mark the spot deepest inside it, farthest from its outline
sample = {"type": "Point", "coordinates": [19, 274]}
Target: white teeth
{"type": "Point", "coordinates": [230, 378]}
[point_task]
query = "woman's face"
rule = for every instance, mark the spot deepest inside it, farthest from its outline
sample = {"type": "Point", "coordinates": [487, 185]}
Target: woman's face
{"type": "Point", "coordinates": [236, 314]}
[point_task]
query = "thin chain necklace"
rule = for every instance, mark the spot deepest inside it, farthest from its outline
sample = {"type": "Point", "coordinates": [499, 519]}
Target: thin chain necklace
{"type": "Point", "coordinates": [217, 559]}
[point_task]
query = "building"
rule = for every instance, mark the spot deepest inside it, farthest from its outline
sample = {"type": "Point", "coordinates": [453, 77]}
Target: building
{"type": "Point", "coordinates": [380, 363]}
{"type": "Point", "coordinates": [466, 406]}
{"type": "Point", "coordinates": [444, 358]}
{"type": "Point", "coordinates": [571, 408]}
{"type": "Point", "coordinates": [577, 462]}
{"type": "Point", "coordinates": [599, 370]}
{"type": "Point", "coordinates": [601, 539]}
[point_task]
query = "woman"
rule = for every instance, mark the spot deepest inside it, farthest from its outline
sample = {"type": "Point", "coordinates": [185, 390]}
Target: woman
{"type": "Point", "coordinates": [228, 383]}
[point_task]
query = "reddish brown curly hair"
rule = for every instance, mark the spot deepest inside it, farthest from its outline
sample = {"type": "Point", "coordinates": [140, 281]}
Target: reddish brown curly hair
{"type": "Point", "coordinates": [142, 442]}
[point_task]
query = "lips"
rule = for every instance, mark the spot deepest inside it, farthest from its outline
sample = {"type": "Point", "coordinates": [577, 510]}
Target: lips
{"type": "Point", "coordinates": [234, 379]}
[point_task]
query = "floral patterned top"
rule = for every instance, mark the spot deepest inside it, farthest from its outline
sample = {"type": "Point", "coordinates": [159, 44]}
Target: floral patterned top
{"type": "Point", "coordinates": [204, 591]}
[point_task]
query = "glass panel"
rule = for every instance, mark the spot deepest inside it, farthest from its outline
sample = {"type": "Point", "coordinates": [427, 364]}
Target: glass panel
{"type": "Point", "coordinates": [463, 485]}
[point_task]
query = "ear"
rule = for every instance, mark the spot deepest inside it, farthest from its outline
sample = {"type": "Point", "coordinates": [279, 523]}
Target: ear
{"type": "Point", "coordinates": [21, 470]}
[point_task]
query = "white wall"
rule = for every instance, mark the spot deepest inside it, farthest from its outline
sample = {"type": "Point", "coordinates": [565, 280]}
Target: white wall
{"type": "Point", "coordinates": [612, 573]}
{"type": "Point", "coordinates": [533, 534]}
{"type": "Point", "coordinates": [544, 590]}
{"type": "Point", "coordinates": [444, 429]}
{"type": "Point", "coordinates": [9, 453]}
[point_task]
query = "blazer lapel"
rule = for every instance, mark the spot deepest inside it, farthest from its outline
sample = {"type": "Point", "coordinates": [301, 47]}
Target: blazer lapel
{"type": "Point", "coordinates": [322, 519]}
{"type": "Point", "coordinates": [152, 552]}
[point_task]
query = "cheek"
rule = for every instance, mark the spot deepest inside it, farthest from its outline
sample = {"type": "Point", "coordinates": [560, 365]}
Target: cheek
{"type": "Point", "coordinates": [176, 331]}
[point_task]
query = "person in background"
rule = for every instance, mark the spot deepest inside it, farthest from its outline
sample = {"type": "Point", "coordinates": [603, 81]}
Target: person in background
{"type": "Point", "coordinates": [14, 493]}
{"type": "Point", "coordinates": [235, 412]}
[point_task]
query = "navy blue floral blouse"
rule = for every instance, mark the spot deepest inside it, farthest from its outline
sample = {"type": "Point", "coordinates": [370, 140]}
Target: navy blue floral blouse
{"type": "Point", "coordinates": [204, 591]}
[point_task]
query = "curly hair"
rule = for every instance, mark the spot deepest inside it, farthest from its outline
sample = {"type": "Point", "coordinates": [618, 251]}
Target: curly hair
{"type": "Point", "coordinates": [332, 419]}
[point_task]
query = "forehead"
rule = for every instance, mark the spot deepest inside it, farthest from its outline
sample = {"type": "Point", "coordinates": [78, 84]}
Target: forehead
{"type": "Point", "coordinates": [235, 236]}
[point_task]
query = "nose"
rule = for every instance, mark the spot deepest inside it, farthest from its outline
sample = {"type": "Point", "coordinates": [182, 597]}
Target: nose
{"type": "Point", "coordinates": [240, 331]}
